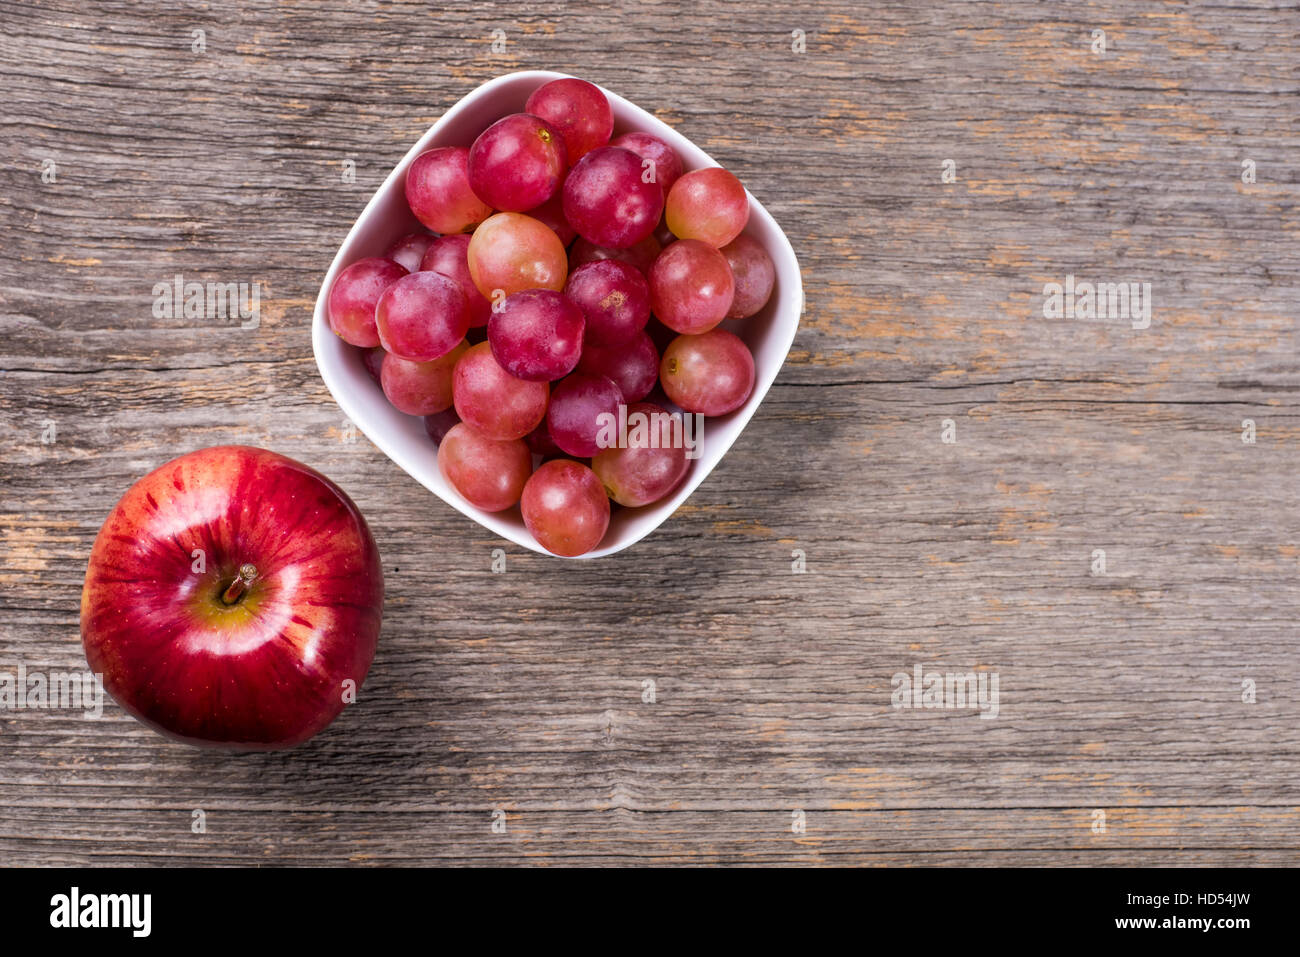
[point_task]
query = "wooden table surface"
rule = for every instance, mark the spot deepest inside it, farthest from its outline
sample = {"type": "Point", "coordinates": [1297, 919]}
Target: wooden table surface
{"type": "Point", "coordinates": [1148, 709]}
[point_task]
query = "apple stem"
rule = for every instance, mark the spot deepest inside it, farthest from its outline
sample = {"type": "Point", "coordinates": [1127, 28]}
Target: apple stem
{"type": "Point", "coordinates": [247, 573]}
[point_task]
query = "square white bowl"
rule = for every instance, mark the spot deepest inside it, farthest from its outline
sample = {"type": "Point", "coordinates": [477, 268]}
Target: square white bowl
{"type": "Point", "coordinates": [402, 438]}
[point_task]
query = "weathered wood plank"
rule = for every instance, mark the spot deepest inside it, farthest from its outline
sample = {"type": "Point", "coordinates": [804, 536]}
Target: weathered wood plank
{"type": "Point", "coordinates": [1121, 691]}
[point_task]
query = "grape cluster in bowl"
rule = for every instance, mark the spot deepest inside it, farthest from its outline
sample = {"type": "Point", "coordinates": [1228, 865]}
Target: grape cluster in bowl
{"type": "Point", "coordinates": [567, 280]}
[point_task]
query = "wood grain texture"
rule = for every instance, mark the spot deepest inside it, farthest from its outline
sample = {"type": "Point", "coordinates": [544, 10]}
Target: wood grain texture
{"type": "Point", "coordinates": [522, 692]}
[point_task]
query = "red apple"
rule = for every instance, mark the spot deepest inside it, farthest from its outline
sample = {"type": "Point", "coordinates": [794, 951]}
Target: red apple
{"type": "Point", "coordinates": [233, 599]}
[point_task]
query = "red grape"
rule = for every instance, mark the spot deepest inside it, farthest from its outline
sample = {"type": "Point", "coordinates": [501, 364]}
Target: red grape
{"type": "Point", "coordinates": [633, 365]}
{"type": "Point", "coordinates": [517, 163]}
{"type": "Point", "coordinates": [409, 250]}
{"type": "Point", "coordinates": [712, 373]}
{"type": "Point", "coordinates": [660, 334]}
{"type": "Point", "coordinates": [493, 401]}
{"type": "Point", "coordinates": [489, 473]}
{"type": "Point", "coordinates": [613, 296]}
{"type": "Point", "coordinates": [642, 255]}
{"type": "Point", "coordinates": [540, 442]}
{"type": "Point", "coordinates": [663, 234]}
{"type": "Point", "coordinates": [439, 194]}
{"type": "Point", "coordinates": [608, 202]}
{"type": "Point", "coordinates": [708, 204]}
{"type": "Point", "coordinates": [422, 316]}
{"type": "Point", "coordinates": [440, 423]}
{"type": "Point", "coordinates": [420, 388]}
{"type": "Point", "coordinates": [565, 507]}
{"type": "Point", "coordinates": [551, 213]}
{"type": "Point", "coordinates": [537, 334]}
{"type": "Point", "coordinates": [578, 404]}
{"type": "Point", "coordinates": [373, 360]}
{"type": "Point", "coordinates": [512, 252]}
{"type": "Point", "coordinates": [355, 294]}
{"type": "Point", "coordinates": [653, 462]}
{"type": "Point", "coordinates": [578, 110]}
{"type": "Point", "coordinates": [667, 164]}
{"type": "Point", "coordinates": [754, 273]}
{"type": "Point", "coordinates": [449, 256]}
{"type": "Point", "coordinates": [691, 286]}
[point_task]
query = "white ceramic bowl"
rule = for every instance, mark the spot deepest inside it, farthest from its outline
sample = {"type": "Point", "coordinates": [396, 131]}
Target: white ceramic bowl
{"type": "Point", "coordinates": [402, 437]}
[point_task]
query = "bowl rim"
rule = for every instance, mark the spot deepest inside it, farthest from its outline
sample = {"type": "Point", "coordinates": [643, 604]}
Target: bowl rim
{"type": "Point", "coordinates": [781, 333]}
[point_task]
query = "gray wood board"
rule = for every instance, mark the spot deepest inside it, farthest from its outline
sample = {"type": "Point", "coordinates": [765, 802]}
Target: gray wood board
{"type": "Point", "coordinates": [1121, 693]}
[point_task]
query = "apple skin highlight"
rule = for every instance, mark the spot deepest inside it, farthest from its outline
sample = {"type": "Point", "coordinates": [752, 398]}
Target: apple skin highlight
{"type": "Point", "coordinates": [268, 669]}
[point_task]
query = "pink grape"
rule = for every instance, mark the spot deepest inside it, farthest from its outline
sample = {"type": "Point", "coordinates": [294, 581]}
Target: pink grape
{"type": "Point", "coordinates": [439, 193]}
{"type": "Point", "coordinates": [422, 316]}
{"type": "Point", "coordinates": [613, 296]}
{"type": "Point", "coordinates": [409, 250]}
{"type": "Point", "coordinates": [517, 163]}
{"type": "Point", "coordinates": [707, 204]}
{"type": "Point", "coordinates": [420, 388]}
{"type": "Point", "coordinates": [691, 286]}
{"type": "Point", "coordinates": [373, 360]}
{"type": "Point", "coordinates": [754, 273]}
{"type": "Point", "coordinates": [449, 255]}
{"type": "Point", "coordinates": [537, 334]}
{"type": "Point", "coordinates": [355, 294]}
{"type": "Point", "coordinates": [642, 255]}
{"type": "Point", "coordinates": [565, 507]}
{"type": "Point", "coordinates": [489, 473]}
{"type": "Point", "coordinates": [712, 373]}
{"type": "Point", "coordinates": [651, 465]}
{"type": "Point", "coordinates": [607, 201]}
{"type": "Point", "coordinates": [667, 164]}
{"type": "Point", "coordinates": [512, 252]}
{"type": "Point", "coordinates": [633, 365]}
{"type": "Point", "coordinates": [551, 213]}
{"type": "Point", "coordinates": [577, 405]}
{"type": "Point", "coordinates": [493, 401]}
{"type": "Point", "coordinates": [440, 423]}
{"type": "Point", "coordinates": [578, 109]}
